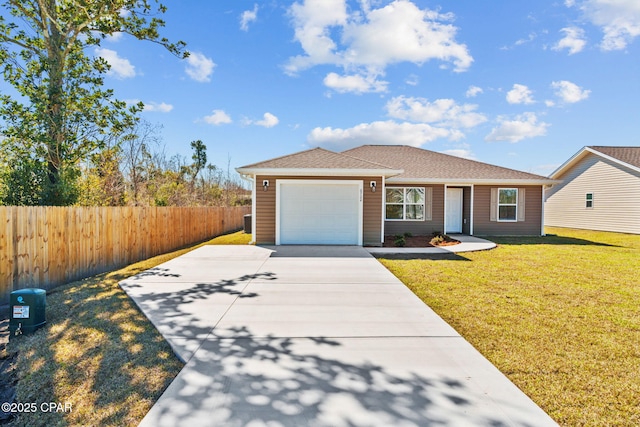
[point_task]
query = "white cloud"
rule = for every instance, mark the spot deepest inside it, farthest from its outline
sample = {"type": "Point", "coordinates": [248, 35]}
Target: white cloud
{"type": "Point", "coordinates": [401, 32]}
{"type": "Point", "coordinates": [115, 37]}
{"type": "Point", "coordinates": [268, 121]}
{"type": "Point", "coordinates": [121, 68]}
{"type": "Point", "coordinates": [619, 20]}
{"type": "Point", "coordinates": [473, 91]}
{"type": "Point", "coordinates": [523, 126]}
{"type": "Point", "coordinates": [199, 67]}
{"type": "Point", "coordinates": [218, 117]}
{"type": "Point", "coordinates": [366, 41]}
{"type": "Point", "coordinates": [354, 83]}
{"type": "Point", "coordinates": [442, 112]}
{"type": "Point", "coordinates": [529, 39]}
{"type": "Point", "coordinates": [569, 92]}
{"type": "Point", "coordinates": [162, 107]}
{"type": "Point", "coordinates": [412, 80]}
{"type": "Point", "coordinates": [573, 40]}
{"type": "Point", "coordinates": [380, 132]}
{"type": "Point", "coordinates": [247, 17]}
{"type": "Point", "coordinates": [312, 21]}
{"type": "Point", "coordinates": [520, 94]}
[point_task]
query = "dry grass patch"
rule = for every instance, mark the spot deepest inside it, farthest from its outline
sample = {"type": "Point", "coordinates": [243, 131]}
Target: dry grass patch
{"type": "Point", "coordinates": [98, 352]}
{"type": "Point", "coordinates": [558, 315]}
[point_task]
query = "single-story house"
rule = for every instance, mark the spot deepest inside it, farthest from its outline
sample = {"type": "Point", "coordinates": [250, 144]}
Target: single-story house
{"type": "Point", "coordinates": [358, 196]}
{"type": "Point", "coordinates": [600, 190]}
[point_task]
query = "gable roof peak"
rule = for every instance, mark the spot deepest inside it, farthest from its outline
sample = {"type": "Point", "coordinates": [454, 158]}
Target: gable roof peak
{"type": "Point", "coordinates": [318, 160]}
{"type": "Point", "coordinates": [628, 156]}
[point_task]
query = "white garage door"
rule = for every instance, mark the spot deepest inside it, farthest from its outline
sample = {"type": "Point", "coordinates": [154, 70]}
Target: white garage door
{"type": "Point", "coordinates": [319, 212]}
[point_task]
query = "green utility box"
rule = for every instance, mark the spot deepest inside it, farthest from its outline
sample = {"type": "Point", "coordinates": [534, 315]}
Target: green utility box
{"type": "Point", "coordinates": [27, 310]}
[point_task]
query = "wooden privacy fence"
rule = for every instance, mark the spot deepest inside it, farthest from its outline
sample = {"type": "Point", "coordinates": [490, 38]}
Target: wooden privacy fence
{"type": "Point", "coordinates": [46, 246]}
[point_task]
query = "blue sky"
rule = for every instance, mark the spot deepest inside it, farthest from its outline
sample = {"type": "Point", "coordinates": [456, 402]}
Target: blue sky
{"type": "Point", "coordinates": [521, 84]}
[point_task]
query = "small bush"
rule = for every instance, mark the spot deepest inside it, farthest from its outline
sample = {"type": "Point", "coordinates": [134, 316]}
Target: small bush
{"type": "Point", "coordinates": [437, 240]}
{"type": "Point", "coordinates": [400, 241]}
{"type": "Point", "coordinates": [407, 234]}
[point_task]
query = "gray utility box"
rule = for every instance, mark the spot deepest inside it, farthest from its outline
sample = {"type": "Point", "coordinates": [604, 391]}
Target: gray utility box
{"type": "Point", "coordinates": [247, 224]}
{"type": "Point", "coordinates": [27, 310]}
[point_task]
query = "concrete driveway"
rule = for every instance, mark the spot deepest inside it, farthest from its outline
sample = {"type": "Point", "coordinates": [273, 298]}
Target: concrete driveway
{"type": "Point", "coordinates": [313, 336]}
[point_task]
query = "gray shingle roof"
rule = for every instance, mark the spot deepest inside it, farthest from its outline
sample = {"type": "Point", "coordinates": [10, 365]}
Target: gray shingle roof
{"type": "Point", "coordinates": [399, 162]}
{"type": "Point", "coordinates": [424, 164]}
{"type": "Point", "coordinates": [318, 158]}
{"type": "Point", "coordinates": [628, 155]}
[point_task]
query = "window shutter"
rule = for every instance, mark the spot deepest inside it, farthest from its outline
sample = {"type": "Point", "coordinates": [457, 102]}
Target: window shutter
{"type": "Point", "coordinates": [493, 215]}
{"type": "Point", "coordinates": [428, 203]}
{"type": "Point", "coordinates": [521, 207]}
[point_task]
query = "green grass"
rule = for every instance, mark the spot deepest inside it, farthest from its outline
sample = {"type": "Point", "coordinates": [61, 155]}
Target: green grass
{"type": "Point", "coordinates": [98, 352]}
{"type": "Point", "coordinates": [559, 315]}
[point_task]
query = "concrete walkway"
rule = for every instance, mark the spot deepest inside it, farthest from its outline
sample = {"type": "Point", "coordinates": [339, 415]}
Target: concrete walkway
{"type": "Point", "coordinates": [467, 244]}
{"type": "Point", "coordinates": [313, 336]}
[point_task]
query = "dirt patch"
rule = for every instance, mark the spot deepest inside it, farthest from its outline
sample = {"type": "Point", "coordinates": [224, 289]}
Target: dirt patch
{"type": "Point", "coordinates": [8, 363]}
{"type": "Point", "coordinates": [419, 241]}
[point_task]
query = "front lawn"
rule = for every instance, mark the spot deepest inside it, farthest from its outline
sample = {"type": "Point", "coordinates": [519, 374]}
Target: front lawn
{"type": "Point", "coordinates": [98, 354]}
{"type": "Point", "coordinates": [559, 315]}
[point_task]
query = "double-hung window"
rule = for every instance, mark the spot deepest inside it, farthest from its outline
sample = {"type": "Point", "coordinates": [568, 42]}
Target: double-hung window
{"type": "Point", "coordinates": [507, 204]}
{"type": "Point", "coordinates": [405, 203]}
{"type": "Point", "coordinates": [588, 200]}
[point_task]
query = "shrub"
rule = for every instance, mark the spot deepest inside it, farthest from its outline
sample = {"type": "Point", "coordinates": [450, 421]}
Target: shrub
{"type": "Point", "coordinates": [400, 241]}
{"type": "Point", "coordinates": [437, 240]}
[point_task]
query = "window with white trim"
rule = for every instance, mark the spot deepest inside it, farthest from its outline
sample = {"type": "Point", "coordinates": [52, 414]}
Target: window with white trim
{"type": "Point", "coordinates": [507, 204]}
{"type": "Point", "coordinates": [588, 200]}
{"type": "Point", "coordinates": [405, 203]}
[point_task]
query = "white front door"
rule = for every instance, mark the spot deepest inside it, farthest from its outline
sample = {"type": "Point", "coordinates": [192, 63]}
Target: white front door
{"type": "Point", "coordinates": [453, 211]}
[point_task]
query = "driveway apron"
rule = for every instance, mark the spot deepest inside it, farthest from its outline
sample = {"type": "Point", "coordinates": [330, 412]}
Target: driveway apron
{"type": "Point", "coordinates": [313, 336]}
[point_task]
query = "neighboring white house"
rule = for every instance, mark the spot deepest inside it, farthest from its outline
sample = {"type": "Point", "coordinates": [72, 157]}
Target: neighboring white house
{"type": "Point", "coordinates": [600, 190]}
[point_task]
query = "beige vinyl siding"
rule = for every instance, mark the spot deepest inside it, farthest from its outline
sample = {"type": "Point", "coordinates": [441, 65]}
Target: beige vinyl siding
{"type": "Point", "coordinates": [531, 225]}
{"type": "Point", "coordinates": [265, 233]}
{"type": "Point", "coordinates": [372, 213]}
{"type": "Point", "coordinates": [420, 228]}
{"type": "Point", "coordinates": [616, 197]}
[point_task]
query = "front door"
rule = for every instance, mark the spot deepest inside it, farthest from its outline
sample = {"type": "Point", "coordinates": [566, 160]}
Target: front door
{"type": "Point", "coordinates": [453, 211]}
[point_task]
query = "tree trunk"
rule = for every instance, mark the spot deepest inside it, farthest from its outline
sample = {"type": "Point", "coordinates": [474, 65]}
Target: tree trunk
{"type": "Point", "coordinates": [54, 113]}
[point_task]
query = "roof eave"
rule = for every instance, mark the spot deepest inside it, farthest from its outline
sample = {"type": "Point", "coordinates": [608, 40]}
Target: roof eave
{"type": "Point", "coordinates": [581, 154]}
{"type": "Point", "coordinates": [572, 161]}
{"type": "Point", "coordinates": [613, 159]}
{"type": "Point", "coordinates": [319, 172]}
{"type": "Point", "coordinates": [479, 181]}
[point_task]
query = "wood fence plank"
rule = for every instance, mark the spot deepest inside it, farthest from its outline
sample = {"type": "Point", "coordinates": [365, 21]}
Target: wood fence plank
{"type": "Point", "coordinates": [7, 252]}
{"type": "Point", "coordinates": [49, 246]}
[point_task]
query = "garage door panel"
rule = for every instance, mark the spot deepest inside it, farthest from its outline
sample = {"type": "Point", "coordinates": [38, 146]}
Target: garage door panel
{"type": "Point", "coordinates": [320, 213]}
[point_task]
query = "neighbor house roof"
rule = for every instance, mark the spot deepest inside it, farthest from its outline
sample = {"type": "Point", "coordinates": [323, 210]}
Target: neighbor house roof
{"type": "Point", "coordinates": [318, 161]}
{"type": "Point", "coordinates": [625, 156]}
{"type": "Point", "coordinates": [628, 155]}
{"type": "Point", "coordinates": [427, 166]}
